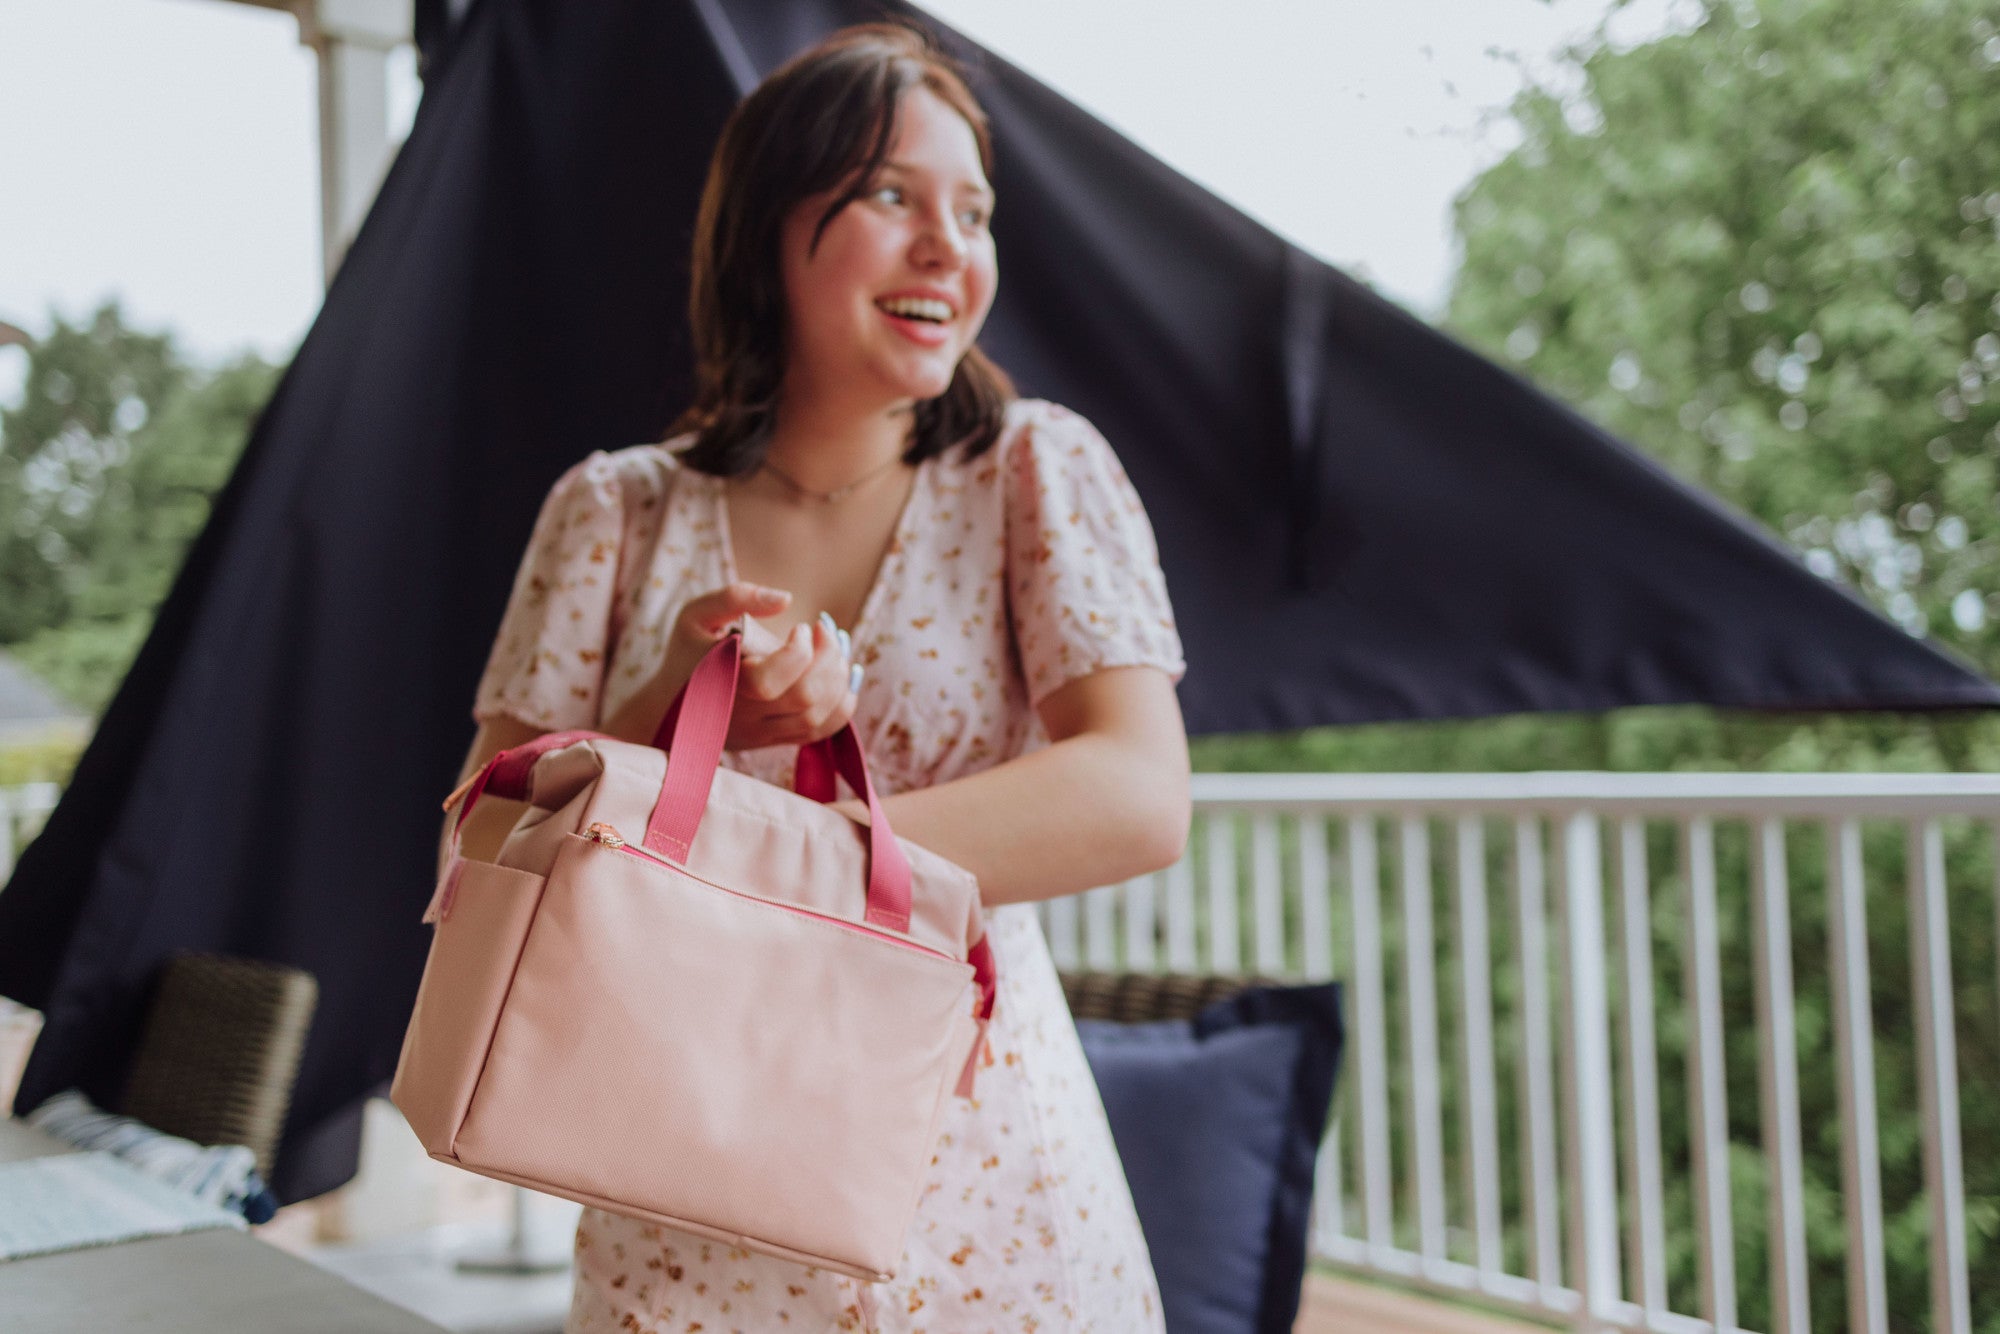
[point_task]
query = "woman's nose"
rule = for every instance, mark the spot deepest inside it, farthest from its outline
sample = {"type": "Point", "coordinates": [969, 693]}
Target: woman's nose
{"type": "Point", "coordinates": [940, 241]}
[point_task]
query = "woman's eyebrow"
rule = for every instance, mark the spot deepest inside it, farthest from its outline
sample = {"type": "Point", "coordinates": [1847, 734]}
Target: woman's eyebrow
{"type": "Point", "coordinates": [911, 169]}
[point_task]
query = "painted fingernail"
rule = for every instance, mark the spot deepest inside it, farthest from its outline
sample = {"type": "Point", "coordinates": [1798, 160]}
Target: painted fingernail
{"type": "Point", "coordinates": [826, 621]}
{"type": "Point", "coordinates": [854, 678]}
{"type": "Point", "coordinates": [846, 644]}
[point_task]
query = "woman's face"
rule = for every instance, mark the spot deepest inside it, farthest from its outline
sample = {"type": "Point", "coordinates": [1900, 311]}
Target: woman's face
{"type": "Point", "coordinates": [902, 277]}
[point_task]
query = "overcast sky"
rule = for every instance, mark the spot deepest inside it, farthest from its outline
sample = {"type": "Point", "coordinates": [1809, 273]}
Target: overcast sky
{"type": "Point", "coordinates": [164, 150]}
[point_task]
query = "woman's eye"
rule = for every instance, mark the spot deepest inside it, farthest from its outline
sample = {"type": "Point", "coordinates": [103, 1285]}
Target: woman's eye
{"type": "Point", "coordinates": [888, 194]}
{"type": "Point", "coordinates": [974, 218]}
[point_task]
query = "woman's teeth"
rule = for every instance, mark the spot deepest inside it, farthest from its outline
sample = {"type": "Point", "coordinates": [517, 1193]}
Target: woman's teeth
{"type": "Point", "coordinates": [917, 308]}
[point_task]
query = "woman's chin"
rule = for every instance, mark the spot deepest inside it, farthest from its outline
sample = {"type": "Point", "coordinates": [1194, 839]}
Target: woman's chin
{"type": "Point", "coordinates": [928, 382]}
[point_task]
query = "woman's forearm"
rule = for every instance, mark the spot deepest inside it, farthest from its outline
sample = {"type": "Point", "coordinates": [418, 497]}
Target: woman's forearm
{"type": "Point", "coordinates": [638, 718]}
{"type": "Point", "coordinates": [1106, 801]}
{"type": "Point", "coordinates": [1087, 811]}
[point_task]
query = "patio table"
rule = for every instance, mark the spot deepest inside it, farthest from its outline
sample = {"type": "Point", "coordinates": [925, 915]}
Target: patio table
{"type": "Point", "coordinates": [194, 1283]}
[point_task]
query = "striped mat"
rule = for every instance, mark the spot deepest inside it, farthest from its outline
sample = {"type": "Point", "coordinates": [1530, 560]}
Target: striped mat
{"type": "Point", "coordinates": [69, 1200]}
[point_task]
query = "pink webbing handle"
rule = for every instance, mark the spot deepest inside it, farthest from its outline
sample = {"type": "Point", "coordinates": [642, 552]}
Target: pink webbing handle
{"type": "Point", "coordinates": [818, 763]}
{"type": "Point", "coordinates": [695, 728]}
{"type": "Point", "coordinates": [510, 774]}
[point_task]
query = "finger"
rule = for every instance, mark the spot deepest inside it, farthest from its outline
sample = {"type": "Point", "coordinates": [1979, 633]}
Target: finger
{"type": "Point", "coordinates": [836, 718]}
{"type": "Point", "coordinates": [714, 612]}
{"type": "Point", "coordinates": [797, 727]}
{"type": "Point", "coordinates": [840, 636]}
{"type": "Point", "coordinates": [777, 673]}
{"type": "Point", "coordinates": [817, 690]}
{"type": "Point", "coordinates": [758, 640]}
{"type": "Point", "coordinates": [823, 687]}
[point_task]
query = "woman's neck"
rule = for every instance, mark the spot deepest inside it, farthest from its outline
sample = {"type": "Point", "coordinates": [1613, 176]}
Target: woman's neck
{"type": "Point", "coordinates": [822, 444]}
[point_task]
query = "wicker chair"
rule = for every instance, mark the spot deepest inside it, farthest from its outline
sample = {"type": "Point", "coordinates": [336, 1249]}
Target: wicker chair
{"type": "Point", "coordinates": [220, 1051]}
{"type": "Point", "coordinates": [1136, 998]}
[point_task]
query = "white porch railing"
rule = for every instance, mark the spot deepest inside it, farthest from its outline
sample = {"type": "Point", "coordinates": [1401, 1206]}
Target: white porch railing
{"type": "Point", "coordinates": [1562, 920]}
{"type": "Point", "coordinates": [1543, 995]}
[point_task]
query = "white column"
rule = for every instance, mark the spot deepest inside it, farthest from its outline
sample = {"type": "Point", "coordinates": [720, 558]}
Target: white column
{"type": "Point", "coordinates": [1589, 1151]}
{"type": "Point", "coordinates": [353, 39]}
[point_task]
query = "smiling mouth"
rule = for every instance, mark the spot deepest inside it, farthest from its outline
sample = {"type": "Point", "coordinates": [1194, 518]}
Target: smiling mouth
{"type": "Point", "coordinates": [925, 310]}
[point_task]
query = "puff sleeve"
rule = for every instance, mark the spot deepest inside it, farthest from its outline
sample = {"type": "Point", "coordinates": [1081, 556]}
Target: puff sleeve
{"type": "Point", "coordinates": [1083, 571]}
{"type": "Point", "coordinates": [547, 664]}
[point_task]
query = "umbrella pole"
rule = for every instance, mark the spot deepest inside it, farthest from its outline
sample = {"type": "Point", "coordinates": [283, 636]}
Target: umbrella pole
{"type": "Point", "coordinates": [516, 1255]}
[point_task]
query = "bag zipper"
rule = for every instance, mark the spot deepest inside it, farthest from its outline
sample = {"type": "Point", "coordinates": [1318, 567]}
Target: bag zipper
{"type": "Point", "coordinates": [609, 837]}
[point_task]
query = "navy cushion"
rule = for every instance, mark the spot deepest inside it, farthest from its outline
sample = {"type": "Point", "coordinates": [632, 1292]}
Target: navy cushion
{"type": "Point", "coordinates": [1218, 1121]}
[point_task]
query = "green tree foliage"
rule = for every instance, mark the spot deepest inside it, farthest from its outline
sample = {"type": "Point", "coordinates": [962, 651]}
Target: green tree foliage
{"type": "Point", "coordinates": [107, 468]}
{"type": "Point", "coordinates": [1765, 248]}
{"type": "Point", "coordinates": [1765, 251]}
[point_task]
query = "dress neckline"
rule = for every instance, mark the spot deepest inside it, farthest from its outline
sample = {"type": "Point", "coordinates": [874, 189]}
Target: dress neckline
{"type": "Point", "coordinates": [892, 559]}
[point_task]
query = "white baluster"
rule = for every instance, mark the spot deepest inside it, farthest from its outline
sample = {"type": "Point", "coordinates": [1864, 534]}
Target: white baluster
{"type": "Point", "coordinates": [1180, 917]}
{"type": "Point", "coordinates": [1647, 1236]}
{"type": "Point", "coordinates": [1140, 925]}
{"type": "Point", "coordinates": [1589, 1146]}
{"type": "Point", "coordinates": [1538, 1103]}
{"type": "Point", "coordinates": [1100, 928]}
{"type": "Point", "coordinates": [1708, 1106]}
{"type": "Point", "coordinates": [1329, 1219]}
{"type": "Point", "coordinates": [1370, 1027]}
{"type": "Point", "coordinates": [1225, 953]}
{"type": "Point", "coordinates": [1059, 920]}
{"type": "Point", "coordinates": [1937, 1078]}
{"type": "Point", "coordinates": [1315, 904]}
{"type": "Point", "coordinates": [1479, 1104]}
{"type": "Point", "coordinates": [1267, 891]}
{"type": "Point", "coordinates": [1778, 1078]}
{"type": "Point", "coordinates": [1854, 1040]}
{"type": "Point", "coordinates": [1421, 1046]}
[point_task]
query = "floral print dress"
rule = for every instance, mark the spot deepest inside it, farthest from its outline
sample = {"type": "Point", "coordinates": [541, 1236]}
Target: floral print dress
{"type": "Point", "coordinates": [1008, 575]}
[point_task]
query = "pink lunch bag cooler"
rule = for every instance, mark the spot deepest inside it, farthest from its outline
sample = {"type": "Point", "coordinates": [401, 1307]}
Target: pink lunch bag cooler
{"type": "Point", "coordinates": [688, 996]}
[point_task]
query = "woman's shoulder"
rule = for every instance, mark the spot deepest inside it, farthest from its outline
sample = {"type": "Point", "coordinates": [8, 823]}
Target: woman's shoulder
{"type": "Point", "coordinates": [632, 476]}
{"type": "Point", "coordinates": [1041, 420]}
{"type": "Point", "coordinates": [1033, 430]}
{"type": "Point", "coordinates": [659, 459]}
{"type": "Point", "coordinates": [1047, 445]}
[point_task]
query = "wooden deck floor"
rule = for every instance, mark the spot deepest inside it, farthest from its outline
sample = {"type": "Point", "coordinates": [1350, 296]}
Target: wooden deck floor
{"type": "Point", "coordinates": [1345, 1306]}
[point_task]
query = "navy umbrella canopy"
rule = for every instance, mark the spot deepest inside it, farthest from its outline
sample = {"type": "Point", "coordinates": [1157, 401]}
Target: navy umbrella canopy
{"type": "Point", "coordinates": [1359, 519]}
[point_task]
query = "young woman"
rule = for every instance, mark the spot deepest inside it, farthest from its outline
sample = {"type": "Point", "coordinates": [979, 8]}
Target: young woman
{"type": "Point", "coordinates": [853, 460]}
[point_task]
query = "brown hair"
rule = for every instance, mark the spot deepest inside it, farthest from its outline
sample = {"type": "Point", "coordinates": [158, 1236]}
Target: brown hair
{"type": "Point", "coordinates": [822, 121]}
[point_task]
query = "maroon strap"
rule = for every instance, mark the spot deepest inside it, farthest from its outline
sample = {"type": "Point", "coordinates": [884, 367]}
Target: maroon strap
{"type": "Point", "coordinates": [985, 974]}
{"type": "Point", "coordinates": [813, 777]}
{"type": "Point", "coordinates": [510, 774]}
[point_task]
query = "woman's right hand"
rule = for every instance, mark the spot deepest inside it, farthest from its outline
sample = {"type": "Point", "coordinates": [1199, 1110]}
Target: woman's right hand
{"type": "Point", "coordinates": [790, 691]}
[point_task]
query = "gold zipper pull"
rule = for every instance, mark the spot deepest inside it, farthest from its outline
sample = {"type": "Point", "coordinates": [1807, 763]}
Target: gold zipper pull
{"type": "Point", "coordinates": [605, 834]}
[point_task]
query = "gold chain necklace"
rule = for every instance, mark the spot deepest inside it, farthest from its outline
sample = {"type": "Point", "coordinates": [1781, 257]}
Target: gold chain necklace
{"type": "Point", "coordinates": [839, 493]}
